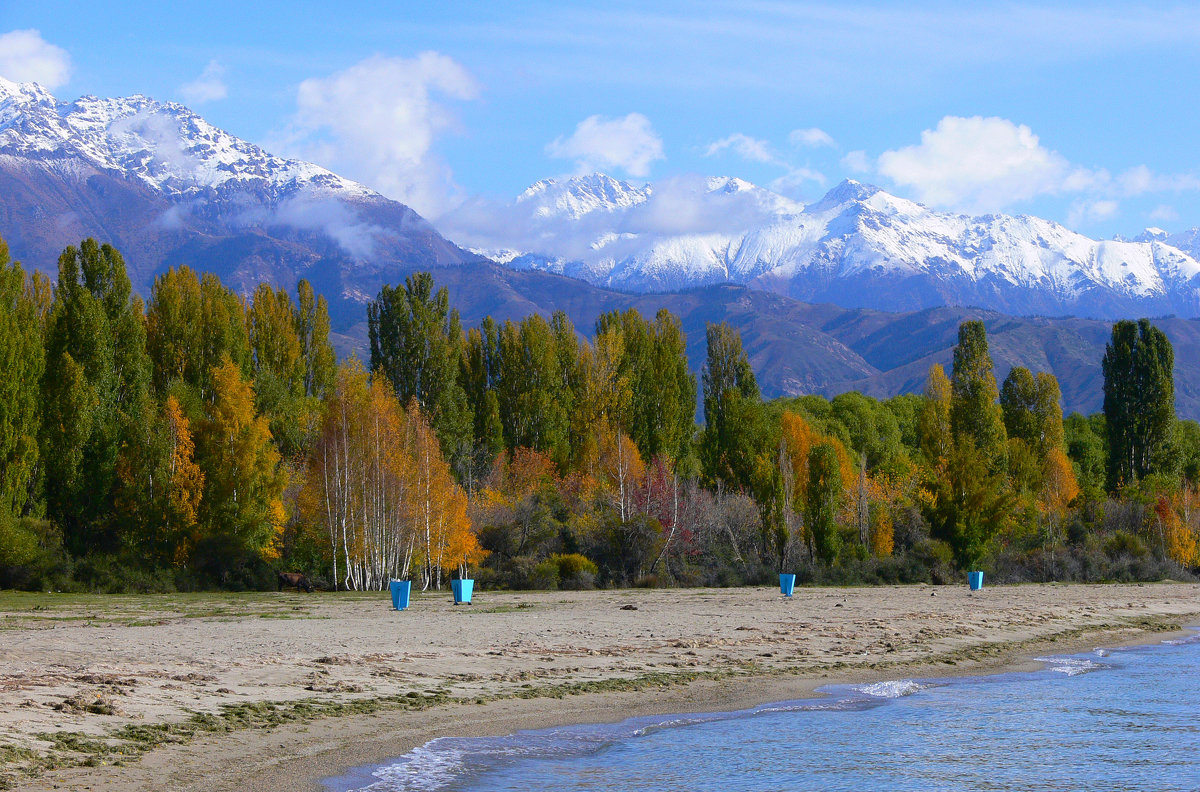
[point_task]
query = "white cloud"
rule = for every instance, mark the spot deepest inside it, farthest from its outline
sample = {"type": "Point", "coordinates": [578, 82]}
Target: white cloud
{"type": "Point", "coordinates": [628, 143]}
{"type": "Point", "coordinates": [1140, 180]}
{"type": "Point", "coordinates": [794, 180]}
{"type": "Point", "coordinates": [745, 147]}
{"type": "Point", "coordinates": [26, 57]}
{"type": "Point", "coordinates": [377, 122]}
{"type": "Point", "coordinates": [208, 87]}
{"type": "Point", "coordinates": [1164, 213]}
{"type": "Point", "coordinates": [981, 164]}
{"type": "Point", "coordinates": [1085, 211]}
{"type": "Point", "coordinates": [811, 138]}
{"type": "Point", "coordinates": [857, 162]}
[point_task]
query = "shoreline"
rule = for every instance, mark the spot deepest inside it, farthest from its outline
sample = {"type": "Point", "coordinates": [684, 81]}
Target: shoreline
{"type": "Point", "coordinates": [952, 635]}
{"type": "Point", "coordinates": [701, 698]}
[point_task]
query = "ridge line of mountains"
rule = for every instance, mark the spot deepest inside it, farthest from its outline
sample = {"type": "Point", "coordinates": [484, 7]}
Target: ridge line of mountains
{"type": "Point", "coordinates": [858, 291]}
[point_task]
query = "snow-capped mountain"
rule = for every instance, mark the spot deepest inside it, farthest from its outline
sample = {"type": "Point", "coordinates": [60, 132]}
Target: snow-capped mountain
{"type": "Point", "coordinates": [164, 145]}
{"type": "Point", "coordinates": [167, 187]}
{"type": "Point", "coordinates": [858, 247]}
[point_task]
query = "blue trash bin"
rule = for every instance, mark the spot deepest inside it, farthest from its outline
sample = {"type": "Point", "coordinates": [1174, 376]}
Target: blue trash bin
{"type": "Point", "coordinates": [975, 579]}
{"type": "Point", "coordinates": [462, 588]}
{"type": "Point", "coordinates": [401, 589]}
{"type": "Point", "coordinates": [786, 584]}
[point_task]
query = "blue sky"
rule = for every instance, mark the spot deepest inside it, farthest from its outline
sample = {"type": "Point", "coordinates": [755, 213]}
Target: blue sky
{"type": "Point", "coordinates": [1083, 113]}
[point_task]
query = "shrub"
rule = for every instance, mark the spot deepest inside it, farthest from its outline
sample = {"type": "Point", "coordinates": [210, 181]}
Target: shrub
{"type": "Point", "coordinates": [575, 570]}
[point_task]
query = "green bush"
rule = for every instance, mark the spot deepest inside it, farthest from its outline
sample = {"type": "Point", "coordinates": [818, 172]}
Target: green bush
{"type": "Point", "coordinates": [18, 541]}
{"type": "Point", "coordinates": [544, 575]}
{"type": "Point", "coordinates": [1124, 544]}
{"type": "Point", "coordinates": [575, 570]}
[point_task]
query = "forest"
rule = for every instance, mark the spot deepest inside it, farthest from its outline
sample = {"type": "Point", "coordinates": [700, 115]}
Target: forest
{"type": "Point", "coordinates": [203, 439]}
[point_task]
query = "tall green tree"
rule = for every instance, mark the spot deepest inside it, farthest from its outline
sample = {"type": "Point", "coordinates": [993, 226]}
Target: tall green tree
{"type": "Point", "coordinates": [22, 359]}
{"type": "Point", "coordinates": [1032, 410]}
{"type": "Point", "coordinates": [96, 393]}
{"type": "Point", "coordinates": [971, 503]}
{"type": "Point", "coordinates": [822, 501]}
{"type": "Point", "coordinates": [663, 391]}
{"type": "Point", "coordinates": [192, 324]}
{"type": "Point", "coordinates": [528, 391]}
{"type": "Point", "coordinates": [416, 343]}
{"type": "Point", "coordinates": [312, 328]}
{"type": "Point", "coordinates": [732, 413]}
{"type": "Point", "coordinates": [1139, 400]}
{"type": "Point", "coordinates": [974, 412]}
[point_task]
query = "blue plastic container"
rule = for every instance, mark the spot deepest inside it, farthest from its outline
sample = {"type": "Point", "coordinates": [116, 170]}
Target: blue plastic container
{"type": "Point", "coordinates": [787, 583]}
{"type": "Point", "coordinates": [401, 589]}
{"type": "Point", "coordinates": [975, 579]}
{"type": "Point", "coordinates": [462, 590]}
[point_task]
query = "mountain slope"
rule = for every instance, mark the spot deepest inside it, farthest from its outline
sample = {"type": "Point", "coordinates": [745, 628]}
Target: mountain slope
{"type": "Point", "coordinates": [857, 247]}
{"type": "Point", "coordinates": [168, 188]}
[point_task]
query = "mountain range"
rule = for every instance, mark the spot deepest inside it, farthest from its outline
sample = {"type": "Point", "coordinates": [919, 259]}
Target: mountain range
{"type": "Point", "coordinates": [858, 246]}
{"type": "Point", "coordinates": [860, 290]}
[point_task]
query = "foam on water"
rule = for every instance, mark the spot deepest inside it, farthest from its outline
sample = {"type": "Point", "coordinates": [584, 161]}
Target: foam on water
{"type": "Point", "coordinates": [891, 689]}
{"type": "Point", "coordinates": [1071, 666]}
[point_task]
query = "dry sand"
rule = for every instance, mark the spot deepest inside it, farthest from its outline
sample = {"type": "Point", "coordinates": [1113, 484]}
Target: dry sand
{"type": "Point", "coordinates": [85, 667]}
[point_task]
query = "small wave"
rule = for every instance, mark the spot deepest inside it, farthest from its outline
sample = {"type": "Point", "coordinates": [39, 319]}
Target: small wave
{"type": "Point", "coordinates": [891, 689]}
{"type": "Point", "coordinates": [425, 769]}
{"type": "Point", "coordinates": [676, 722]}
{"type": "Point", "coordinates": [1071, 666]}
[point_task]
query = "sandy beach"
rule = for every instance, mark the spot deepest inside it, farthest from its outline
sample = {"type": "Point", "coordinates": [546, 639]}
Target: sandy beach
{"type": "Point", "coordinates": [277, 691]}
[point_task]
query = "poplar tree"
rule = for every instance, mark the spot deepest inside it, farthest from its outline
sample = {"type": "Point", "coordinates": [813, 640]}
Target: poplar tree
{"type": "Point", "coordinates": [933, 421]}
{"type": "Point", "coordinates": [731, 400]}
{"type": "Point", "coordinates": [95, 393]}
{"type": "Point", "coordinates": [1139, 400]}
{"type": "Point", "coordinates": [22, 361]}
{"type": "Point", "coordinates": [312, 329]}
{"type": "Point", "coordinates": [974, 413]}
{"type": "Point", "coordinates": [822, 500]}
{"type": "Point", "coordinates": [192, 324]}
{"type": "Point", "coordinates": [416, 343]}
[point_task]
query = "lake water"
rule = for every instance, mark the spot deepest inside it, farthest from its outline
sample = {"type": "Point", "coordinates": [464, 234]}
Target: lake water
{"type": "Point", "coordinates": [1114, 720]}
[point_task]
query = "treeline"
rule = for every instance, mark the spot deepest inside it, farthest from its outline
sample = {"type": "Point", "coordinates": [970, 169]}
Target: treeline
{"type": "Point", "coordinates": [206, 439]}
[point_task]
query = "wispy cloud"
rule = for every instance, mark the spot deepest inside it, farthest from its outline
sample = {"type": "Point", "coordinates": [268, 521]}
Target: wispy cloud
{"type": "Point", "coordinates": [811, 138]}
{"type": "Point", "coordinates": [208, 87]}
{"type": "Point", "coordinates": [746, 147]}
{"type": "Point", "coordinates": [752, 149]}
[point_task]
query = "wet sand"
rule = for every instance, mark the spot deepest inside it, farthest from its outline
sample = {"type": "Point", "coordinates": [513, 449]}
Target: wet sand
{"type": "Point", "coordinates": [265, 667]}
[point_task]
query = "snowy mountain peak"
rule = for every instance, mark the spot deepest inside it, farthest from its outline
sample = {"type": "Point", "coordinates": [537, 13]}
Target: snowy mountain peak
{"type": "Point", "coordinates": [849, 191]}
{"type": "Point", "coordinates": [163, 145]}
{"type": "Point", "coordinates": [23, 92]}
{"type": "Point", "coordinates": [858, 246]}
{"type": "Point", "coordinates": [581, 195]}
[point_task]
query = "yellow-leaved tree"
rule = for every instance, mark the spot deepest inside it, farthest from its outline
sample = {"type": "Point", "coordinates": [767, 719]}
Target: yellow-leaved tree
{"type": "Point", "coordinates": [242, 509]}
{"type": "Point", "coordinates": [438, 507]}
{"type": "Point", "coordinates": [359, 482]}
{"type": "Point", "coordinates": [185, 482]}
